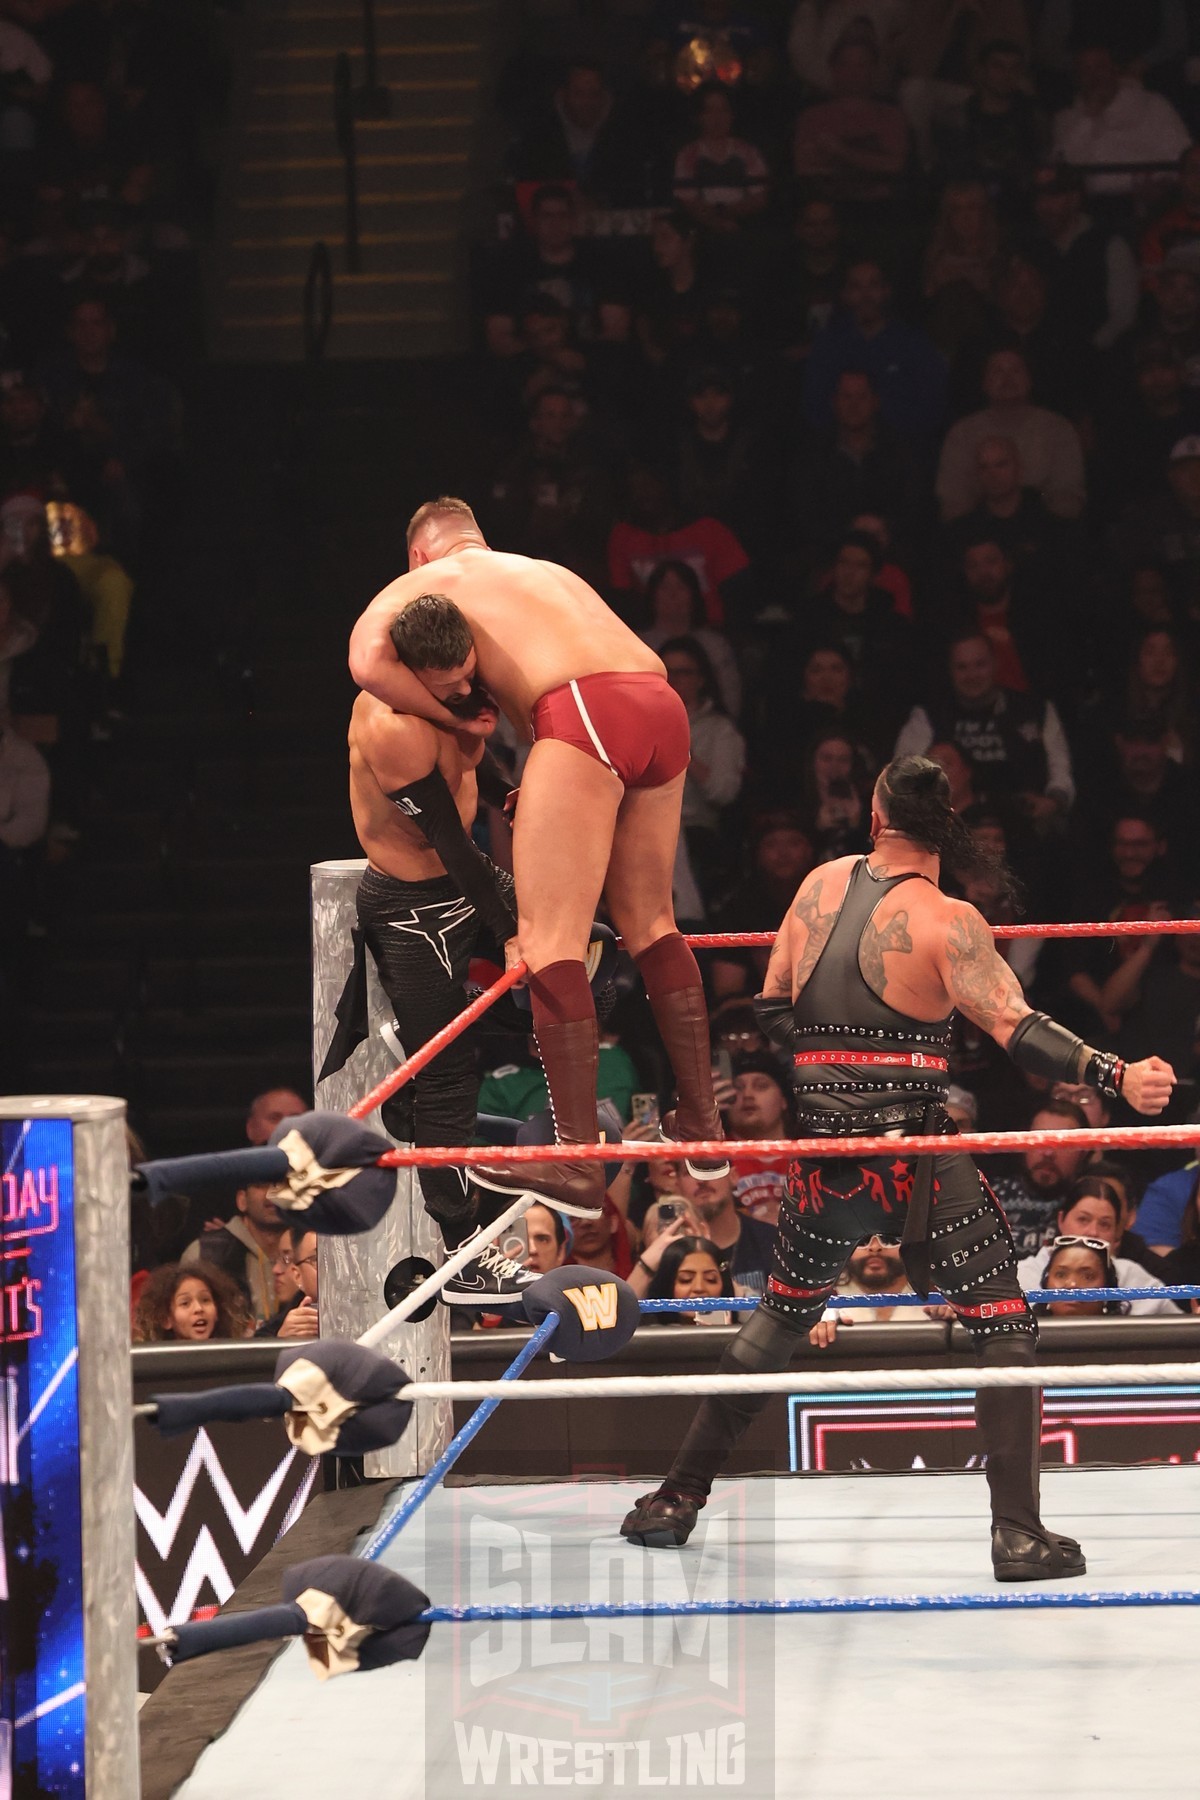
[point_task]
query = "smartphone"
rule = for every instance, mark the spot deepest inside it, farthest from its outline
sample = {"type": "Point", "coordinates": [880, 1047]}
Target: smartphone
{"type": "Point", "coordinates": [722, 1066]}
{"type": "Point", "coordinates": [668, 1210]}
{"type": "Point", "coordinates": [644, 1108]}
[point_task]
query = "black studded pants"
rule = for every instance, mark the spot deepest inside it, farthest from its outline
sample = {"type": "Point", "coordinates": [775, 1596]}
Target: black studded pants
{"type": "Point", "coordinates": [830, 1208]}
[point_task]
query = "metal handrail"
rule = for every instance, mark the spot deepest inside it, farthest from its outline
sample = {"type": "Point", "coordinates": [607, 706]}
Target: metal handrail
{"type": "Point", "coordinates": [318, 301]}
{"type": "Point", "coordinates": [343, 120]}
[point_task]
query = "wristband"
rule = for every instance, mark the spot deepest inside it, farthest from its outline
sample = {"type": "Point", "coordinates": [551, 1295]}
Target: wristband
{"type": "Point", "coordinates": [643, 1264]}
{"type": "Point", "coordinates": [1106, 1073]}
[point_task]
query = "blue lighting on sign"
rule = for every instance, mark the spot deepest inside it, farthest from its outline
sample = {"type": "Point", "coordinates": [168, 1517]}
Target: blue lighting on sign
{"type": "Point", "coordinates": [41, 1576]}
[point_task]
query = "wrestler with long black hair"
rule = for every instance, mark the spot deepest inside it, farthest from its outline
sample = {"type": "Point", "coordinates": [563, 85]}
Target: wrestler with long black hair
{"type": "Point", "coordinates": [868, 966]}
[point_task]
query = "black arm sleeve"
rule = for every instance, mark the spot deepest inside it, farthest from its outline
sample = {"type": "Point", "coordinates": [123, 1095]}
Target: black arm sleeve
{"type": "Point", "coordinates": [1042, 1047]}
{"type": "Point", "coordinates": [430, 805]}
{"type": "Point", "coordinates": [493, 784]}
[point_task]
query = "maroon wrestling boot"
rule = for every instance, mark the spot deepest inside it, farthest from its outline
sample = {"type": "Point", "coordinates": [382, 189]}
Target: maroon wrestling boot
{"type": "Point", "coordinates": [570, 1055]}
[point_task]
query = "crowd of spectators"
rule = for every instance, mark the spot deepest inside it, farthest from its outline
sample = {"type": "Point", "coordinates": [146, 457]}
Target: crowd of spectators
{"type": "Point", "coordinates": [102, 186]}
{"type": "Point", "coordinates": [852, 350]}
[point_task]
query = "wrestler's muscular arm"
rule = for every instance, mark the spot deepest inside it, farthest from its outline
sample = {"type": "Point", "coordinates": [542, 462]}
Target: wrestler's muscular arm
{"type": "Point", "coordinates": [799, 942]}
{"type": "Point", "coordinates": [984, 988]}
{"type": "Point", "coordinates": [375, 666]}
{"type": "Point", "coordinates": [803, 935]}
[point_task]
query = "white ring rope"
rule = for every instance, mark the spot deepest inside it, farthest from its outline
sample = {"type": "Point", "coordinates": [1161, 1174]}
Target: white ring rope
{"type": "Point", "coordinates": [797, 1381]}
{"type": "Point", "coordinates": [381, 1331]}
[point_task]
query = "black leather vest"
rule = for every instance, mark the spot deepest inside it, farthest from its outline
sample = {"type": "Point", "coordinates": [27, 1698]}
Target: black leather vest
{"type": "Point", "coordinates": [837, 1011]}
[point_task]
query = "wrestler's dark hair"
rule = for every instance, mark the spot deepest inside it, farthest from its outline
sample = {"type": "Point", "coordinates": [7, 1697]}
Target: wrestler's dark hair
{"type": "Point", "coordinates": [431, 634]}
{"type": "Point", "coordinates": [914, 797]}
{"type": "Point", "coordinates": [446, 506]}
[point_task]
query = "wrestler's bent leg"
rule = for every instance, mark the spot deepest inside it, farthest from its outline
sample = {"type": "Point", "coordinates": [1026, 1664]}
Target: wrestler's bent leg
{"type": "Point", "coordinates": [638, 891]}
{"type": "Point", "coordinates": [422, 948]}
{"type": "Point", "coordinates": [975, 1267]}
{"type": "Point", "coordinates": [561, 843]}
{"type": "Point", "coordinates": [807, 1266]}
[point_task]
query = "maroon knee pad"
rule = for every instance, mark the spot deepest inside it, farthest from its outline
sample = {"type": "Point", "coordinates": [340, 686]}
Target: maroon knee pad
{"type": "Point", "coordinates": [560, 994]}
{"type": "Point", "coordinates": [669, 965]}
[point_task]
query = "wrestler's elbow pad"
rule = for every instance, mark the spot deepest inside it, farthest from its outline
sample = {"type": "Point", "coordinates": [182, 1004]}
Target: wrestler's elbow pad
{"type": "Point", "coordinates": [776, 1020]}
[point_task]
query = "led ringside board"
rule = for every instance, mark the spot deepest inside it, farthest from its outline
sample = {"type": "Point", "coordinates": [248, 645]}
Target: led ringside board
{"type": "Point", "coordinates": [67, 1675]}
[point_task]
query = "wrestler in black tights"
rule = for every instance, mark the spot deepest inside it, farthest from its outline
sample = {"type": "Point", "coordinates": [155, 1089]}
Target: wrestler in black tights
{"type": "Point", "coordinates": [422, 936]}
{"type": "Point", "coordinates": [832, 1206]}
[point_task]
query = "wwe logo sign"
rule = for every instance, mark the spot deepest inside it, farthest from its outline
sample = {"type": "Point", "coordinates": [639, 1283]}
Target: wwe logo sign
{"type": "Point", "coordinates": [623, 1704]}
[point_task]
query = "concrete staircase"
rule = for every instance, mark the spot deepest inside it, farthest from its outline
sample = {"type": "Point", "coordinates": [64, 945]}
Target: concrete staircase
{"type": "Point", "coordinates": [283, 187]}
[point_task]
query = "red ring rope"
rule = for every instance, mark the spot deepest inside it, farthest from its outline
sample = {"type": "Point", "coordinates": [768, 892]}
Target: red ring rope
{"type": "Point", "coordinates": [762, 940]}
{"type": "Point", "coordinates": [729, 940]}
{"type": "Point", "coordinates": [971, 1143]}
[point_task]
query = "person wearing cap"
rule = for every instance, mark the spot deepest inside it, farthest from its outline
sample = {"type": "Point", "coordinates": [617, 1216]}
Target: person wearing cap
{"type": "Point", "coordinates": [1179, 225]}
{"type": "Point", "coordinates": [1165, 529]}
{"type": "Point", "coordinates": [1115, 120]}
{"type": "Point", "coordinates": [1092, 273]}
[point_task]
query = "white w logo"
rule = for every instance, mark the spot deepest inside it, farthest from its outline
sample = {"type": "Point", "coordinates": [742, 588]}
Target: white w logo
{"type": "Point", "coordinates": [596, 1306]}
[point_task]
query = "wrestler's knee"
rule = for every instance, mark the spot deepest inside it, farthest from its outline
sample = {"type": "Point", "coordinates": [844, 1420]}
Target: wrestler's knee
{"type": "Point", "coordinates": [765, 1344]}
{"type": "Point", "coordinates": [1016, 1344]}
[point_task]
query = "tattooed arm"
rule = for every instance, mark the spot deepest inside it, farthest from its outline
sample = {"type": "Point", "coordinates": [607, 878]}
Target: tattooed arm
{"type": "Point", "coordinates": [802, 936]}
{"type": "Point", "coordinates": [982, 986]}
{"type": "Point", "coordinates": [977, 978]}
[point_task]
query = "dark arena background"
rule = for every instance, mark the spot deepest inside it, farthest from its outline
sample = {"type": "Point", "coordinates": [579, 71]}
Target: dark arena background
{"type": "Point", "coordinates": [849, 352]}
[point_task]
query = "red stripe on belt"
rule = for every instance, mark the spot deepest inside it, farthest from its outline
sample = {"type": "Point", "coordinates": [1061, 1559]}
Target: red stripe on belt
{"type": "Point", "coordinates": [991, 1309]}
{"type": "Point", "coordinates": [795, 1293]}
{"type": "Point", "coordinates": [906, 1059]}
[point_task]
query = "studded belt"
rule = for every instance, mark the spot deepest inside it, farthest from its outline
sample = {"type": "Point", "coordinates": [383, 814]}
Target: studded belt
{"type": "Point", "coordinates": [902, 1059]}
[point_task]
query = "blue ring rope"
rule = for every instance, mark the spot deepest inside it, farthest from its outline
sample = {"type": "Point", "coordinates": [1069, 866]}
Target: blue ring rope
{"type": "Point", "coordinates": [1001, 1600]}
{"type": "Point", "coordinates": [391, 1527]}
{"type": "Point", "coordinates": [1035, 1296]}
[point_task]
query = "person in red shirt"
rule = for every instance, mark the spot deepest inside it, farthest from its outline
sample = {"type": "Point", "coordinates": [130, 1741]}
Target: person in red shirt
{"type": "Point", "coordinates": [652, 532]}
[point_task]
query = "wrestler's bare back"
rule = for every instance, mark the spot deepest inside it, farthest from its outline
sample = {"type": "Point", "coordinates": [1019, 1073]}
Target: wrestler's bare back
{"type": "Point", "coordinates": [536, 625]}
{"type": "Point", "coordinates": [387, 751]}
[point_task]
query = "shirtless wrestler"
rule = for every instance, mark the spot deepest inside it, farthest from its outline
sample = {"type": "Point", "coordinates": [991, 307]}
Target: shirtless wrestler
{"type": "Point", "coordinates": [599, 810]}
{"type": "Point", "coordinates": [868, 967]}
{"type": "Point", "coordinates": [429, 899]}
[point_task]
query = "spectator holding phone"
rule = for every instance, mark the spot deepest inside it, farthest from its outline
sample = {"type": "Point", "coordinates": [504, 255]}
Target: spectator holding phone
{"type": "Point", "coordinates": [667, 1221]}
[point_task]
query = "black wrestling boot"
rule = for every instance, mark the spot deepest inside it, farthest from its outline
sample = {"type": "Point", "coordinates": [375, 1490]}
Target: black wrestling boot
{"type": "Point", "coordinates": [1017, 1556]}
{"type": "Point", "coordinates": [1009, 1420]}
{"type": "Point", "coordinates": [663, 1518]}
